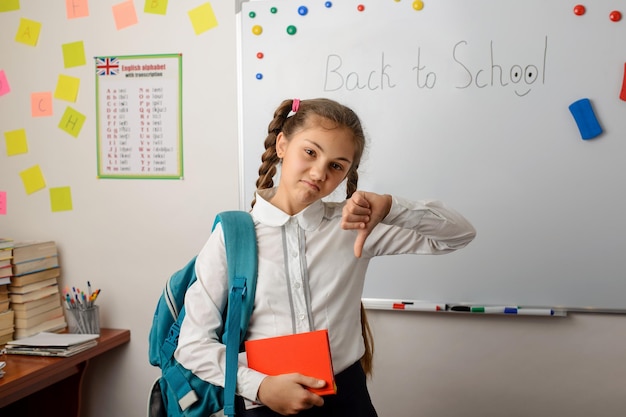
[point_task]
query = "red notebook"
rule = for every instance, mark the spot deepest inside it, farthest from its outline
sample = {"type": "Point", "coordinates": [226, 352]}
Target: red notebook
{"type": "Point", "coordinates": [304, 353]}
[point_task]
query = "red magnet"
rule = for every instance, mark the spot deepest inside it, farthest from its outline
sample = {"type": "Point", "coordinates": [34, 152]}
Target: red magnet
{"type": "Point", "coordinates": [615, 16]}
{"type": "Point", "coordinates": [259, 55]}
{"type": "Point", "coordinates": [360, 7]}
{"type": "Point", "coordinates": [579, 10]}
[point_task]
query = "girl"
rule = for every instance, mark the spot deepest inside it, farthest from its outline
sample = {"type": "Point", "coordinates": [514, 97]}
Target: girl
{"type": "Point", "coordinates": [313, 256]}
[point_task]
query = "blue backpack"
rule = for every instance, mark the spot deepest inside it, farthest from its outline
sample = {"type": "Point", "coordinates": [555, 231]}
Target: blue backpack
{"type": "Point", "coordinates": [178, 392]}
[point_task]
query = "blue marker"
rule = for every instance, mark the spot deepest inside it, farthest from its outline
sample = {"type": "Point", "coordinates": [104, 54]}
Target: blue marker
{"type": "Point", "coordinates": [529, 311]}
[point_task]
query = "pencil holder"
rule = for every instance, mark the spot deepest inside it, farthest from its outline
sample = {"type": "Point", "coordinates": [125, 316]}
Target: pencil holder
{"type": "Point", "coordinates": [84, 320]}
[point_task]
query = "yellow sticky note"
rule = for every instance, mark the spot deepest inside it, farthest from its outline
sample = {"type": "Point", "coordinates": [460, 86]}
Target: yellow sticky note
{"type": "Point", "coordinates": [202, 18]}
{"type": "Point", "coordinates": [33, 179]}
{"type": "Point", "coordinates": [124, 14]}
{"type": "Point", "coordinates": [16, 142]}
{"type": "Point", "coordinates": [155, 7]}
{"type": "Point", "coordinates": [76, 8]}
{"type": "Point", "coordinates": [72, 121]}
{"type": "Point", "coordinates": [67, 88]}
{"type": "Point", "coordinates": [28, 32]}
{"type": "Point", "coordinates": [41, 104]}
{"type": "Point", "coordinates": [9, 5]}
{"type": "Point", "coordinates": [60, 198]}
{"type": "Point", "coordinates": [73, 54]}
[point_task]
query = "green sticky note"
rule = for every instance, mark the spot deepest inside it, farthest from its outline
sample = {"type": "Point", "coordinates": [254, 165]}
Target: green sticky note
{"type": "Point", "coordinates": [202, 18]}
{"type": "Point", "coordinates": [73, 54]}
{"type": "Point", "coordinates": [9, 5]}
{"type": "Point", "coordinates": [67, 88]}
{"type": "Point", "coordinates": [16, 142]}
{"type": "Point", "coordinates": [72, 121]}
{"type": "Point", "coordinates": [33, 179]}
{"type": "Point", "coordinates": [60, 199]}
{"type": "Point", "coordinates": [28, 32]}
{"type": "Point", "coordinates": [155, 7]}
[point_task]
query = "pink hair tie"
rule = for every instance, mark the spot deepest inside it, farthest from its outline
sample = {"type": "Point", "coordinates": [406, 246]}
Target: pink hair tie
{"type": "Point", "coordinates": [295, 105]}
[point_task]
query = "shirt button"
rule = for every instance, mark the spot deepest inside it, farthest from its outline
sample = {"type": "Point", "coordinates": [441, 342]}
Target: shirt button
{"type": "Point", "coordinates": [297, 285]}
{"type": "Point", "coordinates": [301, 316]}
{"type": "Point", "coordinates": [294, 254]}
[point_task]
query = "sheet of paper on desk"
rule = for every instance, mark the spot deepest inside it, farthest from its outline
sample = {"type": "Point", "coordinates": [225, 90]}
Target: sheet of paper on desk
{"type": "Point", "coordinates": [49, 339]}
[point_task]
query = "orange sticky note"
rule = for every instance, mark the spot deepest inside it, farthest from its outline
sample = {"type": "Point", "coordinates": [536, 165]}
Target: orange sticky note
{"type": "Point", "coordinates": [4, 84]}
{"type": "Point", "coordinates": [76, 8]}
{"type": "Point", "coordinates": [72, 121]}
{"type": "Point", "coordinates": [28, 32]}
{"type": "Point", "coordinates": [41, 104]}
{"type": "Point", "coordinates": [124, 14]}
{"type": "Point", "coordinates": [202, 18]}
{"type": "Point", "coordinates": [155, 7]}
{"type": "Point", "coordinates": [16, 142]}
{"type": "Point", "coordinates": [9, 5]}
{"type": "Point", "coordinates": [73, 54]}
{"type": "Point", "coordinates": [60, 199]}
{"type": "Point", "coordinates": [67, 88]}
{"type": "Point", "coordinates": [33, 179]}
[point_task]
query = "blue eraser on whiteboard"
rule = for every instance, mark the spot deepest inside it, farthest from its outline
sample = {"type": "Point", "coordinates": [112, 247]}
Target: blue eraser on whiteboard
{"type": "Point", "coordinates": [585, 118]}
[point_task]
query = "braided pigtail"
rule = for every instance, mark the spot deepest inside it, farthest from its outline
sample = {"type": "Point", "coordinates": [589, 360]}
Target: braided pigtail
{"type": "Point", "coordinates": [270, 158]}
{"type": "Point", "coordinates": [367, 360]}
{"type": "Point", "coordinates": [352, 182]}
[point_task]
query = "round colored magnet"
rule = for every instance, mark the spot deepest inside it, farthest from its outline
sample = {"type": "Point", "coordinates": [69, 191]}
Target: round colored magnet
{"type": "Point", "coordinates": [303, 10]}
{"type": "Point", "coordinates": [273, 10]}
{"type": "Point", "coordinates": [615, 16]}
{"type": "Point", "coordinates": [259, 55]}
{"type": "Point", "coordinates": [328, 4]}
{"type": "Point", "coordinates": [252, 15]}
{"type": "Point", "coordinates": [259, 76]}
{"type": "Point", "coordinates": [360, 7]}
{"type": "Point", "coordinates": [291, 29]}
{"type": "Point", "coordinates": [418, 5]}
{"type": "Point", "coordinates": [257, 30]}
{"type": "Point", "coordinates": [579, 10]}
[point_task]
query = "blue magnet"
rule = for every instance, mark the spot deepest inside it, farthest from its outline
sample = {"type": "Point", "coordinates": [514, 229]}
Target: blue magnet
{"type": "Point", "coordinates": [585, 118]}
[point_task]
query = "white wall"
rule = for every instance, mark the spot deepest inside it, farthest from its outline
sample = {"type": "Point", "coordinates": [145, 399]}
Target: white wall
{"type": "Point", "coordinates": [127, 236]}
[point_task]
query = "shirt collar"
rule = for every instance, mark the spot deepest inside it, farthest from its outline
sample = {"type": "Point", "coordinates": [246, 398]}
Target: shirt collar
{"type": "Point", "coordinates": [309, 219]}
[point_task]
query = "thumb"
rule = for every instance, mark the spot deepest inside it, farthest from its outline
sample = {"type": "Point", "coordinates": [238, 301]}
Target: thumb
{"type": "Point", "coordinates": [359, 242]}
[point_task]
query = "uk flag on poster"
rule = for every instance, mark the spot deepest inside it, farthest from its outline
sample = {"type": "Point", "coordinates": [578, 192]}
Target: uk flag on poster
{"type": "Point", "coordinates": [107, 65]}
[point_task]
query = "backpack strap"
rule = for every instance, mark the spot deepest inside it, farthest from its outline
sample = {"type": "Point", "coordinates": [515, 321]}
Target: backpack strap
{"type": "Point", "coordinates": [241, 255]}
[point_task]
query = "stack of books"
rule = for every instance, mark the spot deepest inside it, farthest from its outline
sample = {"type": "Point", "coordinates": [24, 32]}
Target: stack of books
{"type": "Point", "coordinates": [6, 314]}
{"type": "Point", "coordinates": [34, 289]}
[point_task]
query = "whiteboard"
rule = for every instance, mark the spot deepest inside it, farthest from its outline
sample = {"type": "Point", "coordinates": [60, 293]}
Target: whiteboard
{"type": "Point", "coordinates": [468, 103]}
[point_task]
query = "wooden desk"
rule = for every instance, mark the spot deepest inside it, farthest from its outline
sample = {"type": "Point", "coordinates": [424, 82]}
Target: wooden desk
{"type": "Point", "coordinates": [37, 385]}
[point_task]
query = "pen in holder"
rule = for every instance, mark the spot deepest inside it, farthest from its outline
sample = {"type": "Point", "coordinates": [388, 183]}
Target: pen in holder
{"type": "Point", "coordinates": [84, 320]}
{"type": "Point", "coordinates": [83, 316]}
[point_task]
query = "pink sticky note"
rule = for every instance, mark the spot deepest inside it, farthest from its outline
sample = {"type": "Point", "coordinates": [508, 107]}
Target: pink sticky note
{"type": "Point", "coordinates": [41, 104]}
{"type": "Point", "coordinates": [124, 14]}
{"type": "Point", "coordinates": [76, 8]}
{"type": "Point", "coordinates": [4, 84]}
{"type": "Point", "coordinates": [3, 203]}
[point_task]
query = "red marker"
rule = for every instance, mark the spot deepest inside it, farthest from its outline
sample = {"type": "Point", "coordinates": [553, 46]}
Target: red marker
{"type": "Point", "coordinates": [418, 306]}
{"type": "Point", "coordinates": [387, 304]}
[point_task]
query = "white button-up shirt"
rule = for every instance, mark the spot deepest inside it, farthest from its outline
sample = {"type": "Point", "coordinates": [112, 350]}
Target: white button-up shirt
{"type": "Point", "coordinates": [308, 279]}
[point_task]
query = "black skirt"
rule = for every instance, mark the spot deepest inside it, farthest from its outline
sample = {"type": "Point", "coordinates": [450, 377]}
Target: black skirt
{"type": "Point", "coordinates": [352, 399]}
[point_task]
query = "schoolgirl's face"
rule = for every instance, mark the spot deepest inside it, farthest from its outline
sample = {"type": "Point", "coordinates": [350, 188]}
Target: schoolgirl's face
{"type": "Point", "coordinates": [315, 161]}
